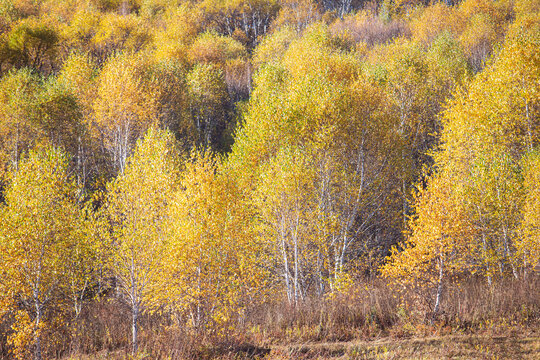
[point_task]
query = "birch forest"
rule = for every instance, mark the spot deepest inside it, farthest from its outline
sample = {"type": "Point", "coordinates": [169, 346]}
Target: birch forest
{"type": "Point", "coordinates": [269, 179]}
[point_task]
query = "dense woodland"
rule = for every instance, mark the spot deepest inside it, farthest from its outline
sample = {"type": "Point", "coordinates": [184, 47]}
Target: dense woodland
{"type": "Point", "coordinates": [180, 174]}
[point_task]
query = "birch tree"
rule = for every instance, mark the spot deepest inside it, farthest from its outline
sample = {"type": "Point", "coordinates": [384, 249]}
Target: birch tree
{"type": "Point", "coordinates": [216, 266]}
{"type": "Point", "coordinates": [126, 106]}
{"type": "Point", "coordinates": [39, 233]}
{"type": "Point", "coordinates": [137, 205]}
{"type": "Point", "coordinates": [476, 203]}
{"type": "Point", "coordinates": [327, 123]}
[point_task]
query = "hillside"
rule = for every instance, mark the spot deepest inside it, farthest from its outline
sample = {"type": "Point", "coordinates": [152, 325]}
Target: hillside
{"type": "Point", "coordinates": [186, 179]}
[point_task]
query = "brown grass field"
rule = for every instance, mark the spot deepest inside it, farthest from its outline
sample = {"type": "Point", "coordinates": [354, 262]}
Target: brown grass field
{"type": "Point", "coordinates": [440, 347]}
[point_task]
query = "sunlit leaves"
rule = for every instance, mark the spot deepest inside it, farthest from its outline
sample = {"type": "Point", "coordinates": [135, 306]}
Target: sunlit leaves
{"type": "Point", "coordinates": [125, 106]}
{"type": "Point", "coordinates": [215, 265]}
{"type": "Point", "coordinates": [488, 130]}
{"type": "Point", "coordinates": [18, 91]}
{"type": "Point", "coordinates": [31, 42]}
{"type": "Point", "coordinates": [40, 234]}
{"type": "Point", "coordinates": [120, 32]}
{"type": "Point", "coordinates": [137, 206]}
{"type": "Point", "coordinates": [212, 48]}
{"type": "Point", "coordinates": [317, 144]}
{"type": "Point", "coordinates": [298, 14]}
{"type": "Point", "coordinates": [181, 26]}
{"type": "Point", "coordinates": [208, 99]}
{"type": "Point", "coordinates": [529, 242]}
{"type": "Point", "coordinates": [435, 20]}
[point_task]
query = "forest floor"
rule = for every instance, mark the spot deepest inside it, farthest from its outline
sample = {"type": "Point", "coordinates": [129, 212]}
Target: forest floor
{"type": "Point", "coordinates": [514, 347]}
{"type": "Point", "coordinates": [443, 347]}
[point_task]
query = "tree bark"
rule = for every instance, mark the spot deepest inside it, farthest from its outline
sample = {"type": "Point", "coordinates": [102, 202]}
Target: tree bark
{"type": "Point", "coordinates": [39, 310]}
{"type": "Point", "coordinates": [439, 288]}
{"type": "Point", "coordinates": [134, 327]}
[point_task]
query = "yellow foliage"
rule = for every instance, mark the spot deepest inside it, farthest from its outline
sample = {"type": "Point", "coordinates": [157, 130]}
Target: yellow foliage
{"type": "Point", "coordinates": [181, 26]}
{"type": "Point", "coordinates": [215, 263]}
{"type": "Point", "coordinates": [436, 19]}
{"type": "Point", "coordinates": [438, 232]}
{"type": "Point", "coordinates": [39, 228]}
{"type": "Point", "coordinates": [478, 39]}
{"type": "Point", "coordinates": [24, 333]}
{"type": "Point", "coordinates": [79, 32]}
{"type": "Point", "coordinates": [117, 32]}
{"type": "Point", "coordinates": [78, 74]}
{"type": "Point", "coordinates": [126, 104]}
{"type": "Point", "coordinates": [529, 242]}
{"type": "Point", "coordinates": [469, 213]}
{"type": "Point", "coordinates": [273, 46]}
{"type": "Point", "coordinates": [298, 14]}
{"type": "Point", "coordinates": [212, 48]}
{"type": "Point", "coordinates": [138, 205]}
{"type": "Point", "coordinates": [500, 11]}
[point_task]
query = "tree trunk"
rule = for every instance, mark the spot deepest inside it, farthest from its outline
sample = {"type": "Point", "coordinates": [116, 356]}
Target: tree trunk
{"type": "Point", "coordinates": [296, 271]}
{"type": "Point", "coordinates": [439, 288]}
{"type": "Point", "coordinates": [484, 246]}
{"type": "Point", "coordinates": [16, 158]}
{"type": "Point", "coordinates": [39, 309]}
{"type": "Point", "coordinates": [529, 128]}
{"type": "Point", "coordinates": [134, 327]}
{"type": "Point", "coordinates": [286, 270]}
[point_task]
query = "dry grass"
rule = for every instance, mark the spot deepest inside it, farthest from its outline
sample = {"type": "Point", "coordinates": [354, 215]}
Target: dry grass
{"type": "Point", "coordinates": [368, 322]}
{"type": "Point", "coordinates": [445, 347]}
{"type": "Point", "coordinates": [367, 311]}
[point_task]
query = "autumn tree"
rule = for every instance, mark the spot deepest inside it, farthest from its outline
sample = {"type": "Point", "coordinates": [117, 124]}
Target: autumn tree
{"type": "Point", "coordinates": [435, 20]}
{"type": "Point", "coordinates": [216, 267]}
{"type": "Point", "coordinates": [30, 43]}
{"type": "Point", "coordinates": [469, 216]}
{"type": "Point", "coordinates": [216, 49]}
{"type": "Point", "coordinates": [505, 121]}
{"type": "Point", "coordinates": [298, 14]}
{"type": "Point", "coordinates": [78, 79]}
{"type": "Point", "coordinates": [58, 116]}
{"type": "Point", "coordinates": [137, 206]}
{"type": "Point", "coordinates": [79, 33]}
{"type": "Point", "coordinates": [416, 83]}
{"type": "Point", "coordinates": [173, 100]}
{"type": "Point", "coordinates": [486, 23]}
{"type": "Point", "coordinates": [40, 236]}
{"type": "Point", "coordinates": [119, 33]}
{"type": "Point", "coordinates": [342, 7]}
{"type": "Point", "coordinates": [437, 247]}
{"type": "Point", "coordinates": [17, 94]}
{"type": "Point", "coordinates": [181, 25]}
{"type": "Point", "coordinates": [528, 244]}
{"type": "Point", "coordinates": [251, 18]}
{"type": "Point", "coordinates": [344, 144]}
{"type": "Point", "coordinates": [125, 106]}
{"type": "Point", "coordinates": [272, 47]}
{"type": "Point", "coordinates": [36, 110]}
{"type": "Point", "coordinates": [292, 218]}
{"type": "Point", "coordinates": [208, 103]}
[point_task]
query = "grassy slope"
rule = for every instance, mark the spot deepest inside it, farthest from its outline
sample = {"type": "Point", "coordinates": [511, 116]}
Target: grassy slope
{"type": "Point", "coordinates": [443, 347]}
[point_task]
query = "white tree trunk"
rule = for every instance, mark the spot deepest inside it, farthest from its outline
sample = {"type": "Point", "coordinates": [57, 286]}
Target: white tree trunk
{"type": "Point", "coordinates": [134, 328]}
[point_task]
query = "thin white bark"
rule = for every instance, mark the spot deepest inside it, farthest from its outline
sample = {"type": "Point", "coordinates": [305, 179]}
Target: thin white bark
{"type": "Point", "coordinates": [439, 287]}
